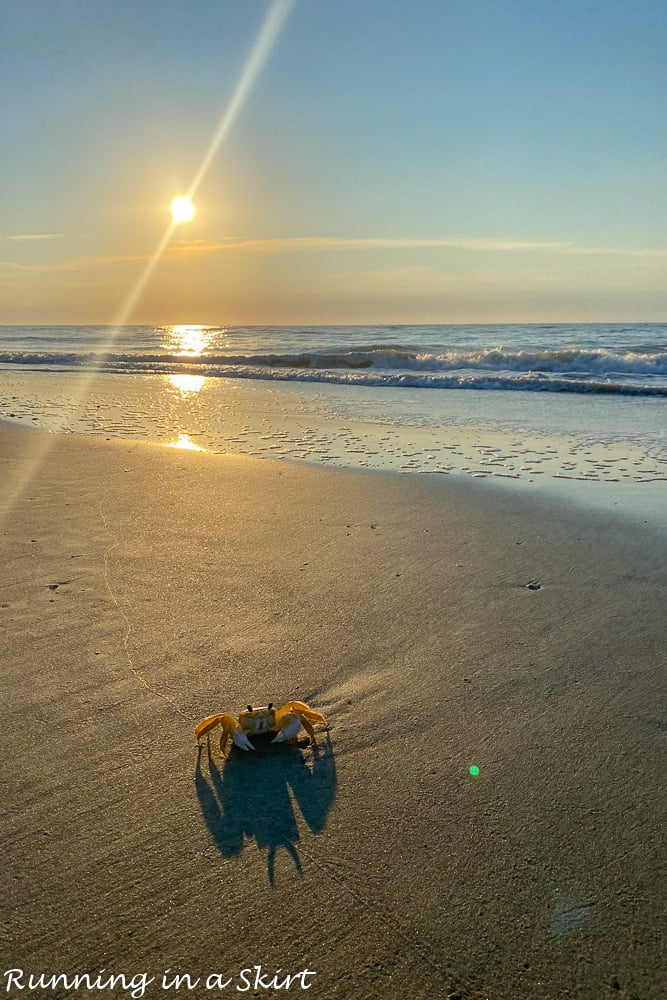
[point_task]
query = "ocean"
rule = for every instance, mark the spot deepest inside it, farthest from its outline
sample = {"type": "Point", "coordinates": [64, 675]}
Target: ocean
{"type": "Point", "coordinates": [588, 358]}
{"type": "Point", "coordinates": [545, 406]}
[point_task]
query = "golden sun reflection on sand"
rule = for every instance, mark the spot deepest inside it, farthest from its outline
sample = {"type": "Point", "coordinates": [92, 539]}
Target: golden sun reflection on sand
{"type": "Point", "coordinates": [183, 441]}
{"type": "Point", "coordinates": [186, 384]}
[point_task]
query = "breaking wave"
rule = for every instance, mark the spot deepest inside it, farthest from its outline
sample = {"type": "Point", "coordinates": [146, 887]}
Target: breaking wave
{"type": "Point", "coordinates": [639, 372]}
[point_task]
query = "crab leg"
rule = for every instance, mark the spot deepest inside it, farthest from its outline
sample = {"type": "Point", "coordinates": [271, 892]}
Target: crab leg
{"type": "Point", "coordinates": [305, 711]}
{"type": "Point", "coordinates": [229, 726]}
{"type": "Point", "coordinates": [308, 726]}
{"type": "Point", "coordinates": [207, 724]}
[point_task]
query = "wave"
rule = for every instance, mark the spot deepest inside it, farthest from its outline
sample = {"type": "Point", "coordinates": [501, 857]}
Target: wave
{"type": "Point", "coordinates": [565, 370]}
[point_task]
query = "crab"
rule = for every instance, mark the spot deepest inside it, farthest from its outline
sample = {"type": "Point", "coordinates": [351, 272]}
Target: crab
{"type": "Point", "coordinates": [285, 721]}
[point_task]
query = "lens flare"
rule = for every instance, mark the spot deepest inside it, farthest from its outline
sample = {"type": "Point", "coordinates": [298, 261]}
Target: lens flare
{"type": "Point", "coordinates": [182, 210]}
{"type": "Point", "coordinates": [253, 67]}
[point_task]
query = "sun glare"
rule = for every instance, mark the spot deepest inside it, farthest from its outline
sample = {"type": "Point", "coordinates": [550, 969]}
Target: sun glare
{"type": "Point", "coordinates": [187, 339]}
{"type": "Point", "coordinates": [186, 384]}
{"type": "Point", "coordinates": [183, 441]}
{"type": "Point", "coordinates": [182, 209]}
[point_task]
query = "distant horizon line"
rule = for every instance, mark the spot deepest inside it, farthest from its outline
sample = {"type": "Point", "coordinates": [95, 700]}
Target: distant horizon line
{"type": "Point", "coordinates": [302, 325]}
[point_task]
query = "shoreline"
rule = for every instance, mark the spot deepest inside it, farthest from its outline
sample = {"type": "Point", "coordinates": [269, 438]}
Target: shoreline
{"type": "Point", "coordinates": [603, 468]}
{"type": "Point", "coordinates": [144, 588]}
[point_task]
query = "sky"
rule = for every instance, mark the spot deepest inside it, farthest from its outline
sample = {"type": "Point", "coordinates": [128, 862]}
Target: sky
{"type": "Point", "coordinates": [387, 161]}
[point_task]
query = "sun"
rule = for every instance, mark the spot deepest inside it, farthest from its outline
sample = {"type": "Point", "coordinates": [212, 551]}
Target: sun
{"type": "Point", "coordinates": [182, 209]}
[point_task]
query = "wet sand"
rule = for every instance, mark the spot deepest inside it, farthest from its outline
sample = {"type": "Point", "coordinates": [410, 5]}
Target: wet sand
{"type": "Point", "coordinates": [436, 625]}
{"type": "Point", "coordinates": [595, 451]}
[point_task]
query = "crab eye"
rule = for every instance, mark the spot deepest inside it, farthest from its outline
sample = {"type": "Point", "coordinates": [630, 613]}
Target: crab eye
{"type": "Point", "coordinates": [249, 707]}
{"type": "Point", "coordinates": [270, 705]}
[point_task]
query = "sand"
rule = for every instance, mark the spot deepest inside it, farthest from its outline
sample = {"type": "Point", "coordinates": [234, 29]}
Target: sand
{"type": "Point", "coordinates": [143, 588]}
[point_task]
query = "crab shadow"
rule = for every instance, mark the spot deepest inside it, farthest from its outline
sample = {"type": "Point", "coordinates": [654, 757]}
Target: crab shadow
{"type": "Point", "coordinates": [252, 796]}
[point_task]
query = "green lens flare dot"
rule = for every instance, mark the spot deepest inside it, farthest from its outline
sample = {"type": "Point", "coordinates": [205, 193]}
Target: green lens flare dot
{"type": "Point", "coordinates": [474, 771]}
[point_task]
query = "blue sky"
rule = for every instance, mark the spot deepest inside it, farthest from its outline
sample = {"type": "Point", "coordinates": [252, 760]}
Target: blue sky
{"type": "Point", "coordinates": [394, 162]}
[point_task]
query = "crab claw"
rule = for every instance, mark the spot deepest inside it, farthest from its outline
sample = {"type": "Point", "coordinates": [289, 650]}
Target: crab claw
{"type": "Point", "coordinates": [241, 740]}
{"type": "Point", "coordinates": [292, 725]}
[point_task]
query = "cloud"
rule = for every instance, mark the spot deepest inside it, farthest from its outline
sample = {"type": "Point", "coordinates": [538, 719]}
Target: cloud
{"type": "Point", "coordinates": [575, 251]}
{"type": "Point", "coordinates": [73, 264]}
{"type": "Point", "coordinates": [37, 236]}
{"type": "Point", "coordinates": [287, 243]}
{"type": "Point", "coordinates": [180, 249]}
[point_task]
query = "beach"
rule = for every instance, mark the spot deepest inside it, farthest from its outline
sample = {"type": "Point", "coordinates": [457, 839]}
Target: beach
{"type": "Point", "coordinates": [438, 625]}
{"type": "Point", "coordinates": [333, 376]}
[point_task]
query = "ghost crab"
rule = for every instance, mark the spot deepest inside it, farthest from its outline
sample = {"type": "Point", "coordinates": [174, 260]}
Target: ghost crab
{"type": "Point", "coordinates": [285, 721]}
